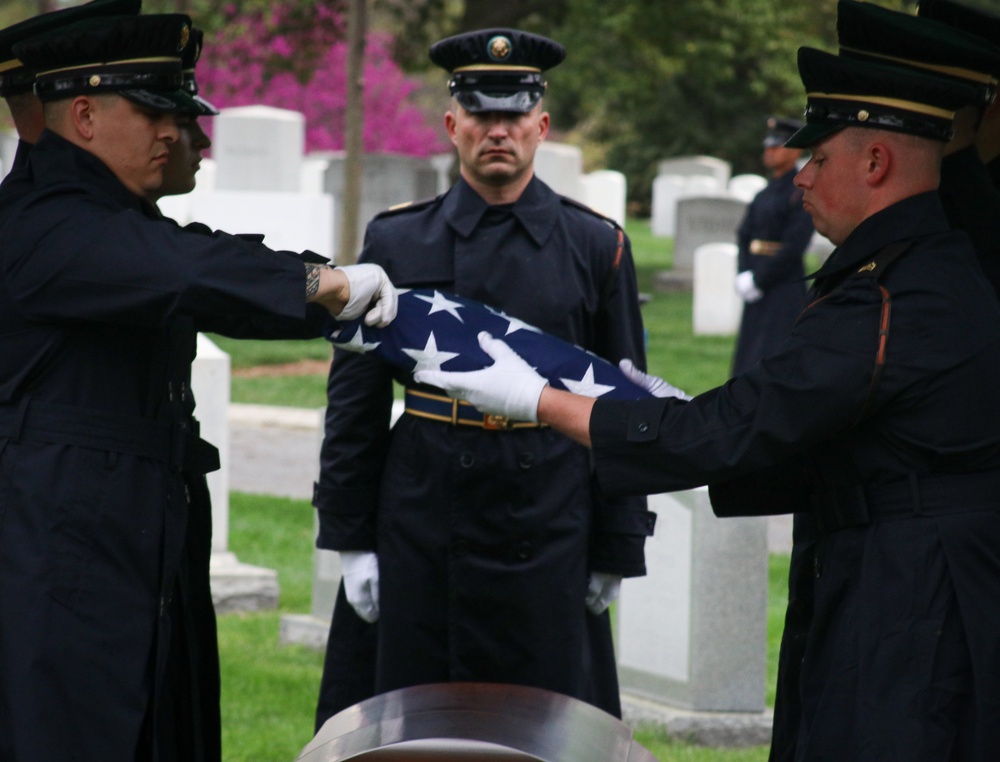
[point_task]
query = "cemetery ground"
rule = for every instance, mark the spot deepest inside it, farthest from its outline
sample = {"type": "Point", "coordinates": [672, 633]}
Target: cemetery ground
{"type": "Point", "coordinates": [269, 690]}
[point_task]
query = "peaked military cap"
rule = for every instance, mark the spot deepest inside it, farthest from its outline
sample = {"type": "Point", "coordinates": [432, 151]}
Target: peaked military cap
{"type": "Point", "coordinates": [15, 77]}
{"type": "Point", "coordinates": [138, 57]}
{"type": "Point", "coordinates": [870, 32]}
{"type": "Point", "coordinates": [497, 69]}
{"type": "Point", "coordinates": [780, 129]}
{"type": "Point", "coordinates": [845, 92]}
{"type": "Point", "coordinates": [189, 58]}
{"type": "Point", "coordinates": [982, 24]}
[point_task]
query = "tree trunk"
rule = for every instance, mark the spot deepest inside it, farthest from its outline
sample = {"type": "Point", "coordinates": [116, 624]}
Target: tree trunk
{"type": "Point", "coordinates": [357, 23]}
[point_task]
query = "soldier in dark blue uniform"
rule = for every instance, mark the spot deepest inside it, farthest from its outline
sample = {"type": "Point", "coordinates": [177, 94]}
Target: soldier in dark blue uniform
{"type": "Point", "coordinates": [772, 240]}
{"type": "Point", "coordinates": [17, 81]}
{"type": "Point", "coordinates": [880, 414]}
{"type": "Point", "coordinates": [870, 32]}
{"type": "Point", "coordinates": [482, 547]}
{"type": "Point", "coordinates": [103, 598]}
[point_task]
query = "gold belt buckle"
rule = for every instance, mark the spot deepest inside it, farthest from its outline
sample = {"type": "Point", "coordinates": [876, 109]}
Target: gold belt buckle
{"type": "Point", "coordinates": [496, 422]}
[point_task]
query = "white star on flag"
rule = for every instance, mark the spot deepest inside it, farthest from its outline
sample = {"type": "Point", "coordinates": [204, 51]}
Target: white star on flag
{"type": "Point", "coordinates": [513, 324]}
{"type": "Point", "coordinates": [586, 386]}
{"type": "Point", "coordinates": [357, 343]}
{"type": "Point", "coordinates": [429, 358]}
{"type": "Point", "coordinates": [439, 303]}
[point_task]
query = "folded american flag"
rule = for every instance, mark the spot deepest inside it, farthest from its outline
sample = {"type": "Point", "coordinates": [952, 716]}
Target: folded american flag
{"type": "Point", "coordinates": [437, 331]}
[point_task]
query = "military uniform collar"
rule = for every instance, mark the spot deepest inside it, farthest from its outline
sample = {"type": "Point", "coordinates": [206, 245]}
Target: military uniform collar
{"type": "Point", "coordinates": [914, 217]}
{"type": "Point", "coordinates": [55, 160]}
{"type": "Point", "coordinates": [537, 209]}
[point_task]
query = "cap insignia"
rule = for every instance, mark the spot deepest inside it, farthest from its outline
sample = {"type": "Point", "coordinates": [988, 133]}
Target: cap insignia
{"type": "Point", "coordinates": [499, 48]}
{"type": "Point", "coordinates": [185, 36]}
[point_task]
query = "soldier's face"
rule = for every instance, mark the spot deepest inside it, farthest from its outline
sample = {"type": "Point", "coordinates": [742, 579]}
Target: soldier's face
{"type": "Point", "coordinates": [496, 148]}
{"type": "Point", "coordinates": [184, 160]}
{"type": "Point", "coordinates": [134, 142]}
{"type": "Point", "coordinates": [833, 186]}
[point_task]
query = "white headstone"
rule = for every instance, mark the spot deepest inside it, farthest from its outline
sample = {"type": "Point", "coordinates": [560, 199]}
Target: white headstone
{"type": "Point", "coordinates": [690, 166]}
{"type": "Point", "coordinates": [291, 221]}
{"type": "Point", "coordinates": [259, 148]}
{"type": "Point", "coordinates": [235, 586]}
{"type": "Point", "coordinates": [605, 191]}
{"type": "Point", "coordinates": [821, 246]}
{"type": "Point", "coordinates": [745, 187]}
{"type": "Point", "coordinates": [701, 220]}
{"type": "Point", "coordinates": [8, 148]}
{"type": "Point", "coordinates": [692, 633]}
{"type": "Point", "coordinates": [210, 385]}
{"type": "Point", "coordinates": [387, 180]}
{"type": "Point", "coordinates": [560, 166]}
{"type": "Point", "coordinates": [313, 174]}
{"type": "Point", "coordinates": [667, 189]}
{"type": "Point", "coordinates": [442, 164]}
{"type": "Point", "coordinates": [717, 308]}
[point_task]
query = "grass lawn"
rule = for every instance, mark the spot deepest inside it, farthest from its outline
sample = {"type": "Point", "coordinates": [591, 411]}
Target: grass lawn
{"type": "Point", "coordinates": [269, 691]}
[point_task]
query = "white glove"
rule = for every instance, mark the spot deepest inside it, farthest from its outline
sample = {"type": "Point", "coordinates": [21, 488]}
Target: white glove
{"type": "Point", "coordinates": [746, 287]}
{"type": "Point", "coordinates": [602, 591]}
{"type": "Point", "coordinates": [509, 387]}
{"type": "Point", "coordinates": [369, 283]}
{"type": "Point", "coordinates": [359, 568]}
{"type": "Point", "coordinates": [652, 384]}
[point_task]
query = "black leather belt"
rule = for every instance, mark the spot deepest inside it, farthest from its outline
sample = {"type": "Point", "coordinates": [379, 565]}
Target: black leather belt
{"type": "Point", "coordinates": [437, 407]}
{"type": "Point", "coordinates": [918, 496]}
{"type": "Point", "coordinates": [176, 444]}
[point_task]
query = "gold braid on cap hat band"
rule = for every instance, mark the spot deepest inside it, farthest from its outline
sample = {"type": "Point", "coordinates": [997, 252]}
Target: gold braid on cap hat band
{"type": "Point", "coordinates": [916, 108]}
{"type": "Point", "coordinates": [8, 65]}
{"type": "Point", "coordinates": [495, 67]}
{"type": "Point", "coordinates": [952, 71]}
{"type": "Point", "coordinates": [98, 64]}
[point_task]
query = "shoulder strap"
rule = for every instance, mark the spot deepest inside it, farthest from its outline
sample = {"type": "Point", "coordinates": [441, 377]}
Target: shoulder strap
{"type": "Point", "coordinates": [876, 269]}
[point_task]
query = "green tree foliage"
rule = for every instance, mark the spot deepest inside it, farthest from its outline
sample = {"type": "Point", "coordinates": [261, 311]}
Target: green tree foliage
{"type": "Point", "coordinates": [647, 80]}
{"type": "Point", "coordinates": [654, 80]}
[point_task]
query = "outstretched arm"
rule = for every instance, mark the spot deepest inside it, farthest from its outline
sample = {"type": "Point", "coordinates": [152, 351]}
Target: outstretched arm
{"type": "Point", "coordinates": [348, 292]}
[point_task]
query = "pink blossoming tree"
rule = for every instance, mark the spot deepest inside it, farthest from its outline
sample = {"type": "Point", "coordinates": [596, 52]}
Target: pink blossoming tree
{"type": "Point", "coordinates": [294, 57]}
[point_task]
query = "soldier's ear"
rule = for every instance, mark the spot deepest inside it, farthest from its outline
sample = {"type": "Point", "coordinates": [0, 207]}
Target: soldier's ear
{"type": "Point", "coordinates": [81, 116]}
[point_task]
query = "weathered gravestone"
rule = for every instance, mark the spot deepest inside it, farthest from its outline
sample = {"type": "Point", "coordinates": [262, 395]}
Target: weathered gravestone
{"type": "Point", "coordinates": [386, 181]}
{"type": "Point", "coordinates": [700, 220]}
{"type": "Point", "coordinates": [692, 633]}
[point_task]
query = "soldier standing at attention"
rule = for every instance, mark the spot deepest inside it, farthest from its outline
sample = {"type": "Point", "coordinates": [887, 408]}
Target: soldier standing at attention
{"type": "Point", "coordinates": [772, 239]}
{"type": "Point", "coordinates": [479, 545]}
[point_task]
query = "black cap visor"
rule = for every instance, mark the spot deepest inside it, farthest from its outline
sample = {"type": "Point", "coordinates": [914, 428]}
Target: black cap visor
{"type": "Point", "coordinates": [517, 102]}
{"type": "Point", "coordinates": [167, 101]}
{"type": "Point", "coordinates": [811, 134]}
{"type": "Point", "coordinates": [482, 90]}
